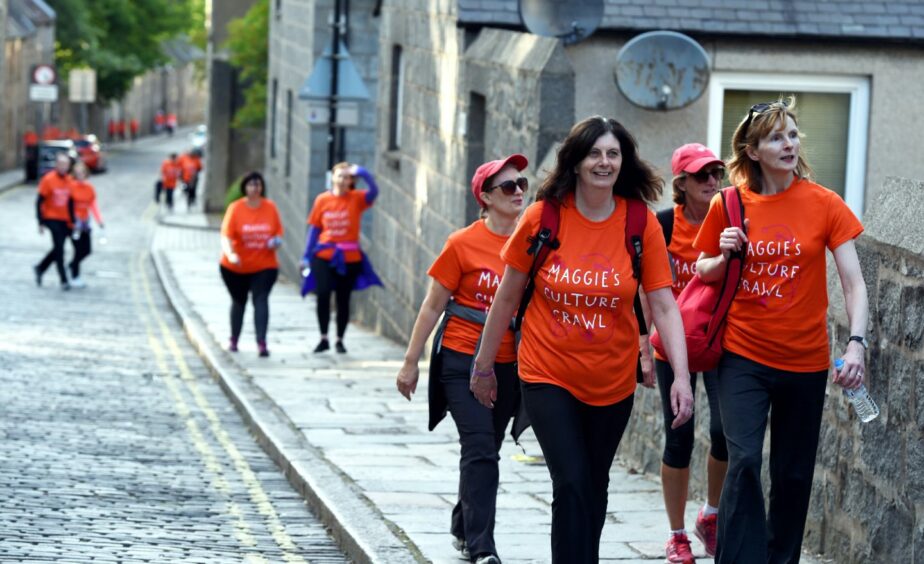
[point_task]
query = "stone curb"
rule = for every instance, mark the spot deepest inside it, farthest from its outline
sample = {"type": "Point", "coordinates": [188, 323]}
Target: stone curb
{"type": "Point", "coordinates": [355, 523]}
{"type": "Point", "coordinates": [168, 222]}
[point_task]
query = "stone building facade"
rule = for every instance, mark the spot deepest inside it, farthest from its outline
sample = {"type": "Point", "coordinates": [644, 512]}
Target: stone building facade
{"type": "Point", "coordinates": [296, 153]}
{"type": "Point", "coordinates": [29, 40]}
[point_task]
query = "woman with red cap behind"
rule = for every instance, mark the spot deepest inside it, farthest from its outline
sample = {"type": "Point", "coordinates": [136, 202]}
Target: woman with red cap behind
{"type": "Point", "coordinates": [698, 175]}
{"type": "Point", "coordinates": [465, 276]}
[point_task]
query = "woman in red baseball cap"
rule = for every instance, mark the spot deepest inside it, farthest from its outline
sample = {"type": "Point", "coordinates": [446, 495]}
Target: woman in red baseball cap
{"type": "Point", "coordinates": [698, 175]}
{"type": "Point", "coordinates": [465, 276]}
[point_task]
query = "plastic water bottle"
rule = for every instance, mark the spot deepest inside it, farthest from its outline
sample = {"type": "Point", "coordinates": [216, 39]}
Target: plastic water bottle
{"type": "Point", "coordinates": [863, 404]}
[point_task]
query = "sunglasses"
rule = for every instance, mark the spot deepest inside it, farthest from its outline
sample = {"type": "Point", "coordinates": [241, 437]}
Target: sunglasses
{"type": "Point", "coordinates": [509, 187]}
{"type": "Point", "coordinates": [758, 109]}
{"type": "Point", "coordinates": [703, 176]}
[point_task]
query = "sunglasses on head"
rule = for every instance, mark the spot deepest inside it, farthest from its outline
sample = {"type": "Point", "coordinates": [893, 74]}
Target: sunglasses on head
{"type": "Point", "coordinates": [703, 176]}
{"type": "Point", "coordinates": [758, 109]}
{"type": "Point", "coordinates": [509, 187]}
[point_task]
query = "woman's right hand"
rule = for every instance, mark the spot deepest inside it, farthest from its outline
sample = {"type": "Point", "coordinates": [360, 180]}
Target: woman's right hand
{"type": "Point", "coordinates": [732, 239]}
{"type": "Point", "coordinates": [233, 258]}
{"type": "Point", "coordinates": [407, 379]}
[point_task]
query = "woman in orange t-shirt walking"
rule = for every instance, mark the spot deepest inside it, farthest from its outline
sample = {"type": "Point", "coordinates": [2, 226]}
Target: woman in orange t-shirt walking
{"type": "Point", "coordinates": [332, 251]}
{"type": "Point", "coordinates": [250, 234]}
{"type": "Point", "coordinates": [465, 276]}
{"type": "Point", "coordinates": [580, 337]}
{"type": "Point", "coordinates": [84, 197]}
{"type": "Point", "coordinates": [776, 341]}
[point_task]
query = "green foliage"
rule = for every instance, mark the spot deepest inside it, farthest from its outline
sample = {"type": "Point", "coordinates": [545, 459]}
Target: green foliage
{"type": "Point", "coordinates": [233, 192]}
{"type": "Point", "coordinates": [120, 39]}
{"type": "Point", "coordinates": [248, 44]}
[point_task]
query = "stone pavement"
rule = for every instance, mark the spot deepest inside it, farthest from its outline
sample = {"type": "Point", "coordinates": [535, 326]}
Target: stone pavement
{"type": "Point", "coordinates": [358, 451]}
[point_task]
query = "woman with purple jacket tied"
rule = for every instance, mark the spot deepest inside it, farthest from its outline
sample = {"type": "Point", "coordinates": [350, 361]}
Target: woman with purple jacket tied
{"type": "Point", "coordinates": [333, 260]}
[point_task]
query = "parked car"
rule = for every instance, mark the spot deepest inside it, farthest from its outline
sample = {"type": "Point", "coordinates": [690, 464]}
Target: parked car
{"type": "Point", "coordinates": [199, 137]}
{"type": "Point", "coordinates": [48, 152]}
{"type": "Point", "coordinates": [91, 153]}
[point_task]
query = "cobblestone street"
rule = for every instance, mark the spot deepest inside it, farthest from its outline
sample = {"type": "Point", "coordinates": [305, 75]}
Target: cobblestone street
{"type": "Point", "coordinates": [115, 443]}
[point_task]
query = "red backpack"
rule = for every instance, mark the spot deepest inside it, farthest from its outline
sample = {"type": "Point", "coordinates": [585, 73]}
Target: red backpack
{"type": "Point", "coordinates": [704, 305]}
{"type": "Point", "coordinates": [546, 240]}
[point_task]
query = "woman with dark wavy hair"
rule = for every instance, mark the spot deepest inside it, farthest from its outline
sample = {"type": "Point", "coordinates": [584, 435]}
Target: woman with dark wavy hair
{"type": "Point", "coordinates": [580, 337]}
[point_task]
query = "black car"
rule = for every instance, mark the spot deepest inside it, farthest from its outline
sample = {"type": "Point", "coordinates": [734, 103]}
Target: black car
{"type": "Point", "coordinates": [48, 153]}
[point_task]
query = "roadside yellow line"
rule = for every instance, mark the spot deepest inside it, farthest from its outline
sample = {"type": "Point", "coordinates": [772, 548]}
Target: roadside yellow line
{"type": "Point", "coordinates": [242, 531]}
{"type": "Point", "coordinates": [257, 494]}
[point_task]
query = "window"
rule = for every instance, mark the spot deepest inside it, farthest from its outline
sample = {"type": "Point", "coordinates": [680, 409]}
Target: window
{"type": "Point", "coordinates": [278, 9]}
{"type": "Point", "coordinates": [288, 168]}
{"type": "Point", "coordinates": [397, 98]}
{"type": "Point", "coordinates": [475, 135]}
{"type": "Point", "coordinates": [273, 102]}
{"type": "Point", "coordinates": [833, 115]}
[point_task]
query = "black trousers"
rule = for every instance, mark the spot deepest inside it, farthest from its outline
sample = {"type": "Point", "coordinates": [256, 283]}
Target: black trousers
{"type": "Point", "coordinates": [481, 434]}
{"type": "Point", "coordinates": [748, 392]}
{"type": "Point", "coordinates": [329, 281]}
{"type": "Point", "coordinates": [678, 443]}
{"type": "Point", "coordinates": [258, 285]}
{"type": "Point", "coordinates": [190, 189]}
{"type": "Point", "coordinates": [59, 232]}
{"type": "Point", "coordinates": [82, 250]}
{"type": "Point", "coordinates": [579, 443]}
{"type": "Point", "coordinates": [169, 196]}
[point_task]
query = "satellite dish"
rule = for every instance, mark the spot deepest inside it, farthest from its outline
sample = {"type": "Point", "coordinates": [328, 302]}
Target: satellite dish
{"type": "Point", "coordinates": [662, 70]}
{"type": "Point", "coordinates": [571, 21]}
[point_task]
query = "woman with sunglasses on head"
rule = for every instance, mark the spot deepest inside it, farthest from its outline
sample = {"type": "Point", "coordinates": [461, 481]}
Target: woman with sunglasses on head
{"type": "Point", "coordinates": [333, 256]}
{"type": "Point", "coordinates": [465, 276]}
{"type": "Point", "coordinates": [698, 175]}
{"type": "Point", "coordinates": [580, 336]}
{"type": "Point", "coordinates": [776, 341]}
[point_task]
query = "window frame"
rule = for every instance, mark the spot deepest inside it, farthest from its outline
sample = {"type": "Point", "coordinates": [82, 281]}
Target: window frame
{"type": "Point", "coordinates": [396, 105]}
{"type": "Point", "coordinates": [857, 87]}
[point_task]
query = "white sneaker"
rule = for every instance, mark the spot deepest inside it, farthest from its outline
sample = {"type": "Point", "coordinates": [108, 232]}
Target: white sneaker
{"type": "Point", "coordinates": [459, 544]}
{"type": "Point", "coordinates": [78, 283]}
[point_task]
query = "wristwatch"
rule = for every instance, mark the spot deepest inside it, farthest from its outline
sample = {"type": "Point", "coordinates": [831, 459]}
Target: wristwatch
{"type": "Point", "coordinates": [859, 339]}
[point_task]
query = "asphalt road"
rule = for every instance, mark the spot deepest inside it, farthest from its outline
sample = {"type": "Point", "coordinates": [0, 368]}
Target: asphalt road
{"type": "Point", "coordinates": [115, 443]}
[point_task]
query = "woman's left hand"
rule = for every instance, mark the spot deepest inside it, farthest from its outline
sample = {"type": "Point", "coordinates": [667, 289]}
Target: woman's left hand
{"type": "Point", "coordinates": [681, 400]}
{"type": "Point", "coordinates": [648, 374]}
{"type": "Point", "coordinates": [484, 387]}
{"type": "Point", "coordinates": [850, 376]}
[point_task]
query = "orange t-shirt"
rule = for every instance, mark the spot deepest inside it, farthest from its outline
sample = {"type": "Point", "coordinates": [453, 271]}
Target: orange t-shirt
{"type": "Point", "coordinates": [338, 219]}
{"type": "Point", "coordinates": [56, 191]}
{"type": "Point", "coordinates": [580, 331]}
{"type": "Point", "coordinates": [190, 165]}
{"type": "Point", "coordinates": [682, 253]}
{"type": "Point", "coordinates": [169, 172]}
{"type": "Point", "coordinates": [779, 314]}
{"type": "Point", "coordinates": [249, 230]}
{"type": "Point", "coordinates": [84, 196]}
{"type": "Point", "coordinates": [470, 267]}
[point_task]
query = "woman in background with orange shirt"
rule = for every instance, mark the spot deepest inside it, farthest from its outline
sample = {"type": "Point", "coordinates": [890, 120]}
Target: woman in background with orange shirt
{"type": "Point", "coordinates": [250, 234]}
{"type": "Point", "coordinates": [465, 276]}
{"type": "Point", "coordinates": [332, 251]}
{"type": "Point", "coordinates": [776, 341]}
{"type": "Point", "coordinates": [84, 197]}
{"type": "Point", "coordinates": [580, 337]}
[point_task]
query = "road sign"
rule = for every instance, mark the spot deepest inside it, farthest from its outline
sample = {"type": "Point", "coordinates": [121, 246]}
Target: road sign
{"type": "Point", "coordinates": [82, 85]}
{"type": "Point", "coordinates": [44, 75]}
{"type": "Point", "coordinates": [43, 93]}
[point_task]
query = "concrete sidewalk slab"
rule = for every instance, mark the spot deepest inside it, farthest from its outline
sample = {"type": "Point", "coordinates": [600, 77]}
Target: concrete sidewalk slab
{"type": "Point", "coordinates": [361, 454]}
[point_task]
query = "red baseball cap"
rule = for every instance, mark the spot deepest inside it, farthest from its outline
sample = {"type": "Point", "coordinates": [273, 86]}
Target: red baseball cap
{"type": "Point", "coordinates": [692, 157]}
{"type": "Point", "coordinates": [490, 168]}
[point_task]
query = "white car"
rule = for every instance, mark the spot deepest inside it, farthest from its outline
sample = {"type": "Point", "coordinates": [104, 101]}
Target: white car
{"type": "Point", "coordinates": [199, 137]}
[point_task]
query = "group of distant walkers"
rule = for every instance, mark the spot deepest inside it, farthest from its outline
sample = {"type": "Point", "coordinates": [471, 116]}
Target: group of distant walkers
{"type": "Point", "coordinates": [542, 313]}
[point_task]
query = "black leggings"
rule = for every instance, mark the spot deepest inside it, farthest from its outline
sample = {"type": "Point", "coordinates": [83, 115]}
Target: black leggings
{"type": "Point", "coordinates": [678, 443]}
{"type": "Point", "coordinates": [329, 280]}
{"type": "Point", "coordinates": [579, 443]}
{"type": "Point", "coordinates": [81, 251]}
{"type": "Point", "coordinates": [59, 233]}
{"type": "Point", "coordinates": [258, 284]}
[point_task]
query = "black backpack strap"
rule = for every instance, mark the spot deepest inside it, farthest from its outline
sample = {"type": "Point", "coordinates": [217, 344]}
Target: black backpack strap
{"type": "Point", "coordinates": [666, 219]}
{"type": "Point", "coordinates": [541, 244]}
{"type": "Point", "coordinates": [636, 220]}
